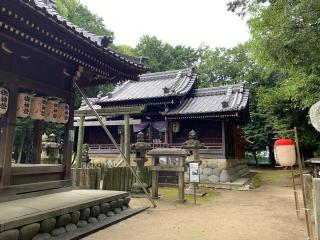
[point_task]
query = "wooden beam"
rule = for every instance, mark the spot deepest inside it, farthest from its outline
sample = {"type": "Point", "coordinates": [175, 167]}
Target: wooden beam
{"type": "Point", "coordinates": [37, 140]}
{"type": "Point", "coordinates": [107, 123]}
{"type": "Point", "coordinates": [110, 111]}
{"type": "Point", "coordinates": [7, 137]}
{"type": "Point", "coordinates": [127, 138]}
{"type": "Point", "coordinates": [80, 143]}
{"type": "Point", "coordinates": [32, 85]}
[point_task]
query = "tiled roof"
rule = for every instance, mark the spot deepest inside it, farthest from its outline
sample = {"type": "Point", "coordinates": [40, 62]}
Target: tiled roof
{"type": "Point", "coordinates": [47, 7]}
{"type": "Point", "coordinates": [154, 86]}
{"type": "Point", "coordinates": [224, 99]}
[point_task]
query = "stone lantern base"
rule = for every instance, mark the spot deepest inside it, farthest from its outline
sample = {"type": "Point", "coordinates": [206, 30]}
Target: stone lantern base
{"type": "Point", "coordinates": [137, 189]}
{"type": "Point", "coordinates": [190, 190]}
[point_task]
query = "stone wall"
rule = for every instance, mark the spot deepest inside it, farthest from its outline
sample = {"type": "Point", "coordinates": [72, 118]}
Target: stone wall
{"type": "Point", "coordinates": [221, 170]}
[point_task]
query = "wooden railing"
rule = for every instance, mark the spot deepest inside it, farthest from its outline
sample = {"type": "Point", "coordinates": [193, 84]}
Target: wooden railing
{"type": "Point", "coordinates": [211, 149]}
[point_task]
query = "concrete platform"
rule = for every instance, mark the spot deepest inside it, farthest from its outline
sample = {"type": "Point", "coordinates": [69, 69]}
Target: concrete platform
{"type": "Point", "coordinates": [16, 213]}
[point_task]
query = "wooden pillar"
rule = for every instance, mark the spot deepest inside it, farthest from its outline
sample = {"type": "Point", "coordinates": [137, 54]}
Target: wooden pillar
{"type": "Point", "coordinates": [154, 188]}
{"type": "Point", "coordinates": [166, 134]}
{"type": "Point", "coordinates": [69, 136]}
{"type": "Point", "coordinates": [37, 140]}
{"type": "Point", "coordinates": [170, 137]}
{"type": "Point", "coordinates": [7, 136]}
{"type": "Point", "coordinates": [80, 142]}
{"type": "Point", "coordinates": [223, 138]}
{"type": "Point", "coordinates": [127, 137]}
{"type": "Point", "coordinates": [316, 206]}
{"type": "Point", "coordinates": [121, 138]}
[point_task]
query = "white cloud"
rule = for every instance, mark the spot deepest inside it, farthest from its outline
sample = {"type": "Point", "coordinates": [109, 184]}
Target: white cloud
{"type": "Point", "coordinates": [186, 22]}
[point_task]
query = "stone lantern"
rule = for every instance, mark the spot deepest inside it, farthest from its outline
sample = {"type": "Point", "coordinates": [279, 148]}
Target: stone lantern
{"type": "Point", "coordinates": [140, 148]}
{"type": "Point", "coordinates": [50, 149]}
{"type": "Point", "coordinates": [193, 145]}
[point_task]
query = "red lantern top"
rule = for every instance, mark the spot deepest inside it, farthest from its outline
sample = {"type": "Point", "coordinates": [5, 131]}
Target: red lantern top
{"type": "Point", "coordinates": [284, 142]}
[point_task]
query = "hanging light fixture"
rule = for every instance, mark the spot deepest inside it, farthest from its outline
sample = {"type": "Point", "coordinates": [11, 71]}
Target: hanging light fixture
{"type": "Point", "coordinates": [38, 108]}
{"type": "Point", "coordinates": [23, 105]}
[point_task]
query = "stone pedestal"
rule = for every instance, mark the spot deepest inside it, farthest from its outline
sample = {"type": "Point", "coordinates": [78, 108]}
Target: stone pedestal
{"type": "Point", "coordinates": [140, 149]}
{"type": "Point", "coordinates": [193, 145]}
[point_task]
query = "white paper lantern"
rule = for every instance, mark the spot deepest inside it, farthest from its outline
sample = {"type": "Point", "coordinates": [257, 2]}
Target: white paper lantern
{"type": "Point", "coordinates": [63, 113]}
{"type": "Point", "coordinates": [23, 105]}
{"type": "Point", "coordinates": [176, 127]}
{"type": "Point", "coordinates": [4, 100]}
{"type": "Point", "coordinates": [51, 111]}
{"type": "Point", "coordinates": [285, 152]}
{"type": "Point", "coordinates": [38, 108]}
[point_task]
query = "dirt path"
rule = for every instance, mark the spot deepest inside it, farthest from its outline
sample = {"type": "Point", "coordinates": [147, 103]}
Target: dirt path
{"type": "Point", "coordinates": [266, 213]}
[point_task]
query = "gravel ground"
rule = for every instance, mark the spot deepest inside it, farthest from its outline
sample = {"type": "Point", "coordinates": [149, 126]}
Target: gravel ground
{"type": "Point", "coordinates": [265, 213]}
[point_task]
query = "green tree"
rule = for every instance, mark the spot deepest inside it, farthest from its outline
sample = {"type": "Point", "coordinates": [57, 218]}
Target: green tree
{"type": "Point", "coordinates": [81, 16]}
{"type": "Point", "coordinates": [161, 56]}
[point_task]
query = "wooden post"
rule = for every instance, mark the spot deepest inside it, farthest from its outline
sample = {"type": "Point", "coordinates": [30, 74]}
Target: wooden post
{"type": "Point", "coordinates": [7, 137]}
{"type": "Point", "coordinates": [154, 188]}
{"type": "Point", "coordinates": [181, 186]}
{"type": "Point", "coordinates": [37, 140]}
{"type": "Point", "coordinates": [223, 138]}
{"type": "Point", "coordinates": [316, 204]}
{"type": "Point", "coordinates": [307, 181]}
{"type": "Point", "coordinates": [68, 139]}
{"type": "Point", "coordinates": [170, 133]}
{"type": "Point", "coordinates": [166, 134]}
{"type": "Point", "coordinates": [306, 211]}
{"type": "Point", "coordinates": [80, 142]}
{"type": "Point", "coordinates": [127, 138]}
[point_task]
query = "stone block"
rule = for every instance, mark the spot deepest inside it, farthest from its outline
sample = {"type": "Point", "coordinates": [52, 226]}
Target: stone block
{"type": "Point", "coordinates": [222, 164]}
{"type": "Point", "coordinates": [75, 217]}
{"type": "Point", "coordinates": [124, 208]}
{"type": "Point", "coordinates": [204, 164]}
{"type": "Point", "coordinates": [110, 214]}
{"type": "Point", "coordinates": [213, 163]}
{"type": "Point", "coordinates": [47, 225]}
{"type": "Point", "coordinates": [216, 172]}
{"type": "Point", "coordinates": [82, 223]}
{"type": "Point", "coordinates": [224, 176]}
{"type": "Point", "coordinates": [102, 217]}
{"type": "Point", "coordinates": [29, 231]}
{"type": "Point", "coordinates": [12, 234]}
{"type": "Point", "coordinates": [127, 201]}
{"type": "Point", "coordinates": [214, 179]}
{"type": "Point", "coordinates": [42, 236]}
{"type": "Point", "coordinates": [104, 207]}
{"type": "Point", "coordinates": [85, 214]}
{"type": "Point", "coordinates": [117, 210]}
{"type": "Point", "coordinates": [92, 220]}
{"type": "Point", "coordinates": [113, 205]}
{"type": "Point", "coordinates": [95, 211]}
{"type": "Point", "coordinates": [120, 203]}
{"type": "Point", "coordinates": [58, 231]}
{"type": "Point", "coordinates": [63, 220]}
{"type": "Point", "coordinates": [204, 178]}
{"type": "Point", "coordinates": [71, 227]}
{"type": "Point", "coordinates": [207, 171]}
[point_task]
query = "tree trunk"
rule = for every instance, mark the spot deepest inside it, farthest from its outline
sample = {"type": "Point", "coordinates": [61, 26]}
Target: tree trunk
{"type": "Point", "coordinates": [271, 156]}
{"type": "Point", "coordinates": [254, 153]}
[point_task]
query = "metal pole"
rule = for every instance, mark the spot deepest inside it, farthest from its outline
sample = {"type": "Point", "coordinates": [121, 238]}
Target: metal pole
{"type": "Point", "coordinates": [306, 210]}
{"type": "Point", "coordinates": [114, 143]}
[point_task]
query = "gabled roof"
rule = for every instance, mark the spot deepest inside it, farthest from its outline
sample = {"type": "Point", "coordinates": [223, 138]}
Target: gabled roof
{"type": "Point", "coordinates": [47, 7]}
{"type": "Point", "coordinates": [153, 86]}
{"type": "Point", "coordinates": [217, 101]}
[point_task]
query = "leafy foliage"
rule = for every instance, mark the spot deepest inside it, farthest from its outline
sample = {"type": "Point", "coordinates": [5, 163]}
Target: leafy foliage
{"type": "Point", "coordinates": [80, 15]}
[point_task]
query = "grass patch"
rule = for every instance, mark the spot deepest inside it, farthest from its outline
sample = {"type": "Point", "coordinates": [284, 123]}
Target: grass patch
{"type": "Point", "coordinates": [256, 181]}
{"type": "Point", "coordinates": [171, 193]}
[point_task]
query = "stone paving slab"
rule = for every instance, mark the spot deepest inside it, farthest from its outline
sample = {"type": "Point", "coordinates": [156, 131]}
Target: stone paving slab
{"type": "Point", "coordinates": [24, 211]}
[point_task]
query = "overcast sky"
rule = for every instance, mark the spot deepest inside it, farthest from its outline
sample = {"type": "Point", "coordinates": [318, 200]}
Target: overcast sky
{"type": "Point", "coordinates": [186, 22]}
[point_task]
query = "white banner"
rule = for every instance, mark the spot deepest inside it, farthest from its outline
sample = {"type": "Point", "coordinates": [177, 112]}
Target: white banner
{"type": "Point", "coordinates": [194, 172]}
